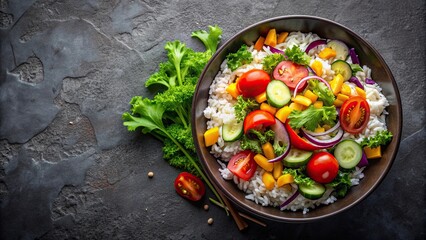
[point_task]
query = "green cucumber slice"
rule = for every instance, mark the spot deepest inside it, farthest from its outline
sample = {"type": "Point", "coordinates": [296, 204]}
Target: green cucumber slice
{"type": "Point", "coordinates": [297, 158]}
{"type": "Point", "coordinates": [342, 51]}
{"type": "Point", "coordinates": [277, 94]}
{"type": "Point", "coordinates": [348, 153]}
{"type": "Point", "coordinates": [232, 131]}
{"type": "Point", "coordinates": [342, 67]}
{"type": "Point", "coordinates": [312, 192]}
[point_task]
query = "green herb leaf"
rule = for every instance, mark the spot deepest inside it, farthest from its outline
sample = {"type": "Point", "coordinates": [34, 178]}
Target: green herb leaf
{"type": "Point", "coordinates": [299, 176]}
{"type": "Point", "coordinates": [243, 107]}
{"type": "Point", "coordinates": [322, 91]}
{"type": "Point", "coordinates": [238, 59]}
{"type": "Point", "coordinates": [271, 61]}
{"type": "Point", "coordinates": [296, 55]}
{"type": "Point", "coordinates": [311, 117]}
{"type": "Point", "coordinates": [356, 68]}
{"type": "Point", "coordinates": [381, 138]}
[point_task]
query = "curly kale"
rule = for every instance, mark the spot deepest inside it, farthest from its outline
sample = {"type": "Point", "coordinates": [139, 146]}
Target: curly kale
{"type": "Point", "coordinates": [381, 138]}
{"type": "Point", "coordinates": [243, 107]}
{"type": "Point", "coordinates": [239, 58]}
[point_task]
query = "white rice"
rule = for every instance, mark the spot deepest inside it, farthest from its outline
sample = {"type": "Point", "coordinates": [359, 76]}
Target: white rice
{"type": "Point", "coordinates": [220, 110]}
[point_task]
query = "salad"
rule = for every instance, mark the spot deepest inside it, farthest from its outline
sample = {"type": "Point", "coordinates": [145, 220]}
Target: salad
{"type": "Point", "coordinates": [294, 120]}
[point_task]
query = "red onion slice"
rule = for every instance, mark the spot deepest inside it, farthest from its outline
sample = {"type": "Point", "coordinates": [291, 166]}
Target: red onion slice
{"type": "Point", "coordinates": [301, 83]}
{"type": "Point", "coordinates": [314, 44]}
{"type": "Point", "coordinates": [353, 55]}
{"type": "Point", "coordinates": [364, 161]}
{"type": "Point", "coordinates": [290, 199]}
{"type": "Point", "coordinates": [281, 136]}
{"type": "Point", "coordinates": [334, 128]}
{"type": "Point", "coordinates": [276, 50]}
{"type": "Point", "coordinates": [370, 81]}
{"type": "Point", "coordinates": [324, 143]}
{"type": "Point", "coordinates": [356, 82]}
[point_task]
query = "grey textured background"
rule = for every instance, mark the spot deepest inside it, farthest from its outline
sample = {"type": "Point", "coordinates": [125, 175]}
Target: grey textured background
{"type": "Point", "coordinates": [70, 170]}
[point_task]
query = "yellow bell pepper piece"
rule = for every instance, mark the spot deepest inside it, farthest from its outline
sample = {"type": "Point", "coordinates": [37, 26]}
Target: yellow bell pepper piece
{"type": "Point", "coordinates": [283, 113]}
{"type": "Point", "coordinates": [285, 179]}
{"type": "Point", "coordinates": [373, 152]}
{"type": "Point", "coordinates": [309, 94]}
{"type": "Point", "coordinates": [338, 102]}
{"type": "Point", "coordinates": [302, 100]}
{"type": "Point", "coordinates": [259, 43]}
{"type": "Point", "coordinates": [361, 92]}
{"type": "Point", "coordinates": [268, 180]}
{"type": "Point", "coordinates": [317, 67]}
{"type": "Point", "coordinates": [336, 84]}
{"type": "Point", "coordinates": [268, 150]}
{"type": "Point", "coordinates": [282, 37]}
{"type": "Point", "coordinates": [261, 97]}
{"type": "Point", "coordinates": [319, 129]}
{"type": "Point", "coordinates": [211, 136]}
{"type": "Point", "coordinates": [266, 107]}
{"type": "Point", "coordinates": [271, 38]}
{"type": "Point", "coordinates": [342, 97]}
{"type": "Point", "coordinates": [346, 89]}
{"type": "Point", "coordinates": [233, 90]}
{"type": "Point", "coordinates": [318, 104]}
{"type": "Point", "coordinates": [296, 106]}
{"type": "Point", "coordinates": [262, 161]}
{"type": "Point", "coordinates": [327, 53]}
{"type": "Point", "coordinates": [278, 169]}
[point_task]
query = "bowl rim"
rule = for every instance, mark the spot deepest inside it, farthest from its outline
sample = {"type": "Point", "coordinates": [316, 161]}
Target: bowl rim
{"type": "Point", "coordinates": [396, 135]}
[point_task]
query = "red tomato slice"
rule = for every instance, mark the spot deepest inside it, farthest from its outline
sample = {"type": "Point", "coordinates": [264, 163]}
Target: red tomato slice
{"type": "Point", "coordinates": [290, 73]}
{"type": "Point", "coordinates": [354, 115]}
{"type": "Point", "coordinates": [253, 83]}
{"type": "Point", "coordinates": [322, 167]}
{"type": "Point", "coordinates": [189, 186]}
{"type": "Point", "coordinates": [258, 119]}
{"type": "Point", "coordinates": [298, 142]}
{"type": "Point", "coordinates": [243, 165]}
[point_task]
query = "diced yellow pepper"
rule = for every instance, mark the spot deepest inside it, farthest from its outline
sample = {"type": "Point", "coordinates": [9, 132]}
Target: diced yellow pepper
{"type": "Point", "coordinates": [233, 90]}
{"type": "Point", "coordinates": [268, 180]}
{"type": "Point", "coordinates": [266, 107]}
{"type": "Point", "coordinates": [283, 113]}
{"type": "Point", "coordinates": [302, 100]}
{"type": "Point", "coordinates": [296, 106]}
{"type": "Point", "coordinates": [338, 102]}
{"type": "Point", "coordinates": [327, 53]}
{"type": "Point", "coordinates": [317, 67]}
{"type": "Point", "coordinates": [336, 84]}
{"type": "Point", "coordinates": [342, 97]}
{"type": "Point", "coordinates": [271, 38]}
{"type": "Point", "coordinates": [262, 161]}
{"type": "Point", "coordinates": [285, 179]}
{"type": "Point", "coordinates": [261, 97]}
{"type": "Point", "coordinates": [278, 169]}
{"type": "Point", "coordinates": [319, 129]}
{"type": "Point", "coordinates": [282, 37]}
{"type": "Point", "coordinates": [318, 104]}
{"type": "Point", "coordinates": [309, 94]}
{"type": "Point", "coordinates": [346, 89]}
{"type": "Point", "coordinates": [361, 92]}
{"type": "Point", "coordinates": [268, 150]}
{"type": "Point", "coordinates": [373, 152]}
{"type": "Point", "coordinates": [211, 136]}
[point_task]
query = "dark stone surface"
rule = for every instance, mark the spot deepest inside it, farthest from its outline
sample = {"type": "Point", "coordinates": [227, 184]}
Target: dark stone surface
{"type": "Point", "coordinates": [70, 170]}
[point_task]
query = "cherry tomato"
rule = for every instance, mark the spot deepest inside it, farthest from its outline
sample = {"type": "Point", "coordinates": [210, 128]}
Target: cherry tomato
{"type": "Point", "coordinates": [298, 142]}
{"type": "Point", "coordinates": [290, 73]}
{"type": "Point", "coordinates": [322, 167]}
{"type": "Point", "coordinates": [258, 119]}
{"type": "Point", "coordinates": [243, 165]}
{"type": "Point", "coordinates": [189, 186]}
{"type": "Point", "coordinates": [253, 83]}
{"type": "Point", "coordinates": [354, 115]}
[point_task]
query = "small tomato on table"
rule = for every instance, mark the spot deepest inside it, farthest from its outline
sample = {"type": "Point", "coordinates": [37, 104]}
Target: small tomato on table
{"type": "Point", "coordinates": [189, 186]}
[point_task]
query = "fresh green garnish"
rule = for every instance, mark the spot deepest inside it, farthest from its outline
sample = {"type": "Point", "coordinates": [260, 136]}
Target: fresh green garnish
{"type": "Point", "coordinates": [311, 117]}
{"type": "Point", "coordinates": [381, 138]}
{"type": "Point", "coordinates": [243, 107]}
{"type": "Point", "coordinates": [341, 184]}
{"type": "Point", "coordinates": [356, 68]}
{"type": "Point", "coordinates": [296, 55]}
{"type": "Point", "coordinates": [299, 175]}
{"type": "Point", "coordinates": [271, 61]}
{"type": "Point", "coordinates": [239, 58]}
{"type": "Point", "coordinates": [322, 91]}
{"type": "Point", "coordinates": [250, 144]}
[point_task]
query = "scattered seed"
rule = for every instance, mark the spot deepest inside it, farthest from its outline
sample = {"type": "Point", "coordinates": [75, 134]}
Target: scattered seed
{"type": "Point", "coordinates": [206, 207]}
{"type": "Point", "coordinates": [151, 174]}
{"type": "Point", "coordinates": [71, 123]}
{"type": "Point", "coordinates": [210, 221]}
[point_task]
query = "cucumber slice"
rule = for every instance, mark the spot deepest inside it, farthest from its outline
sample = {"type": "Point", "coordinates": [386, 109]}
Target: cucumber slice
{"type": "Point", "coordinates": [348, 153]}
{"type": "Point", "coordinates": [342, 67]}
{"type": "Point", "coordinates": [342, 51]}
{"type": "Point", "coordinates": [297, 158]}
{"type": "Point", "coordinates": [277, 94]}
{"type": "Point", "coordinates": [232, 131]}
{"type": "Point", "coordinates": [312, 192]}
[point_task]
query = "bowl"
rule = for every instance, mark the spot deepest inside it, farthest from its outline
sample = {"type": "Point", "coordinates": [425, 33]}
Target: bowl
{"type": "Point", "coordinates": [374, 173]}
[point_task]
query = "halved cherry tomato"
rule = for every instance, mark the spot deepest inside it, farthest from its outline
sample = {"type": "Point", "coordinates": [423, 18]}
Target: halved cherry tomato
{"type": "Point", "coordinates": [258, 119]}
{"type": "Point", "coordinates": [298, 142]}
{"type": "Point", "coordinates": [243, 165]}
{"type": "Point", "coordinates": [253, 82]}
{"type": "Point", "coordinates": [290, 73]}
{"type": "Point", "coordinates": [354, 114]}
{"type": "Point", "coordinates": [189, 186]}
{"type": "Point", "coordinates": [322, 167]}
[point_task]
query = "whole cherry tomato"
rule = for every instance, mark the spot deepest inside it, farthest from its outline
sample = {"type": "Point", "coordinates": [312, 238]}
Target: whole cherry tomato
{"type": "Point", "coordinates": [253, 82]}
{"type": "Point", "coordinates": [322, 167]}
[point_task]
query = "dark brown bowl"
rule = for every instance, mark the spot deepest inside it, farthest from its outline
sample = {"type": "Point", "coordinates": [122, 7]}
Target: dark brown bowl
{"type": "Point", "coordinates": [381, 73]}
